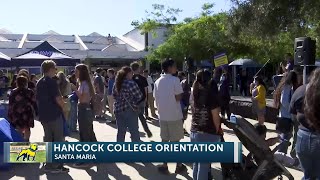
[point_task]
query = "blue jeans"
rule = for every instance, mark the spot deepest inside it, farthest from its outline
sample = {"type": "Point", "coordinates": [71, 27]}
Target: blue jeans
{"type": "Point", "coordinates": [127, 119]}
{"type": "Point", "coordinates": [308, 150]}
{"type": "Point", "coordinates": [73, 116]}
{"type": "Point", "coordinates": [201, 170]}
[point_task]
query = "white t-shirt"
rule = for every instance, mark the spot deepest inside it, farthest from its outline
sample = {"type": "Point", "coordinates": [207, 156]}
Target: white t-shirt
{"type": "Point", "coordinates": [150, 82]}
{"type": "Point", "coordinates": [165, 90]}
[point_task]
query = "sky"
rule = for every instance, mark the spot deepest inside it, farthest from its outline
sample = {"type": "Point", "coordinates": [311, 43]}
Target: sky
{"type": "Point", "coordinates": [83, 17]}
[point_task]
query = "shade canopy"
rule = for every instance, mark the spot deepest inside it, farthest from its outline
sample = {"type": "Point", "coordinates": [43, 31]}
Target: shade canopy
{"type": "Point", "coordinates": [43, 52]}
{"type": "Point", "coordinates": [206, 63]}
{"type": "Point", "coordinates": [245, 63]}
{"type": "Point", "coordinates": [4, 57]}
{"type": "Point", "coordinates": [5, 61]}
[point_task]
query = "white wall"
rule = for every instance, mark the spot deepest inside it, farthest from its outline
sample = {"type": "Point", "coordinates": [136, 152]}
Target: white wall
{"type": "Point", "coordinates": [159, 38]}
{"type": "Point", "coordinates": [154, 41]}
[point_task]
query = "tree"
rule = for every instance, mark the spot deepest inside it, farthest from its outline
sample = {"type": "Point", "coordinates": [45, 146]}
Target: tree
{"type": "Point", "coordinates": [200, 39]}
{"type": "Point", "coordinates": [207, 9]}
{"type": "Point", "coordinates": [270, 27]}
{"type": "Point", "coordinates": [160, 16]}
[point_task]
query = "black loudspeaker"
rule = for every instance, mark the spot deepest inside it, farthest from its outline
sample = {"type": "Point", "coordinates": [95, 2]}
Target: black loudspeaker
{"type": "Point", "coordinates": [304, 51]}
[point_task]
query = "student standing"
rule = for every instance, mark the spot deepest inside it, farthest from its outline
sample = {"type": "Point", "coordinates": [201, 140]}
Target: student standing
{"type": "Point", "coordinates": [127, 96]}
{"type": "Point", "coordinates": [143, 85]}
{"type": "Point", "coordinates": [50, 104]}
{"type": "Point", "coordinates": [168, 94]}
{"type": "Point", "coordinates": [185, 97]}
{"type": "Point", "coordinates": [65, 90]}
{"type": "Point", "coordinates": [206, 122]}
{"type": "Point", "coordinates": [259, 97]}
{"type": "Point", "coordinates": [150, 98]}
{"type": "Point", "coordinates": [22, 108]}
{"type": "Point", "coordinates": [111, 75]}
{"type": "Point", "coordinates": [243, 83]}
{"type": "Point", "coordinates": [305, 107]}
{"type": "Point", "coordinates": [73, 116]}
{"type": "Point", "coordinates": [85, 92]}
{"type": "Point", "coordinates": [99, 85]}
{"type": "Point", "coordinates": [224, 93]}
{"type": "Point", "coordinates": [282, 98]}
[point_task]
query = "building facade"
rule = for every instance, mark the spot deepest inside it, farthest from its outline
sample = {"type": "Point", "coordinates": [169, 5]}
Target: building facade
{"type": "Point", "coordinates": [94, 49]}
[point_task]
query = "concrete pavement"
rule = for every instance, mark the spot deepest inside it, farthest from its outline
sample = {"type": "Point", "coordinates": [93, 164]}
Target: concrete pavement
{"type": "Point", "coordinates": [122, 171]}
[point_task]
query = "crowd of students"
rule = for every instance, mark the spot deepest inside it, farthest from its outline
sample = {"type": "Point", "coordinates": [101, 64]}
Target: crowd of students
{"type": "Point", "coordinates": [130, 91]}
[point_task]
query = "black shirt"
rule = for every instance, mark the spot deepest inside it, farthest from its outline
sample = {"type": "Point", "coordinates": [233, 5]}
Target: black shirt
{"type": "Point", "coordinates": [207, 100]}
{"type": "Point", "coordinates": [297, 108]}
{"type": "Point", "coordinates": [186, 92]}
{"type": "Point", "coordinates": [142, 83]}
{"type": "Point", "coordinates": [47, 91]}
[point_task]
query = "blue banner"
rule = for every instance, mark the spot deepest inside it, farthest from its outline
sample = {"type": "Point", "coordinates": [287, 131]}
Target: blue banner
{"type": "Point", "coordinates": [109, 152]}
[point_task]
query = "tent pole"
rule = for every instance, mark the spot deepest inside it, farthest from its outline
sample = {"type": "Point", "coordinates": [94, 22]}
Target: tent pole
{"type": "Point", "coordinates": [261, 68]}
{"type": "Point", "coordinates": [234, 78]}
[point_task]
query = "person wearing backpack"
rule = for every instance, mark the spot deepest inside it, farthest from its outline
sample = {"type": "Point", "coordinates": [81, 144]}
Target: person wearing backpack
{"type": "Point", "coordinates": [22, 108]}
{"type": "Point", "coordinates": [282, 98]}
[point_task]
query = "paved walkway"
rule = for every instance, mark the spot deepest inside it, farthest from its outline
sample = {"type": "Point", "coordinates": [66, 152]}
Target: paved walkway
{"type": "Point", "coordinates": [122, 171]}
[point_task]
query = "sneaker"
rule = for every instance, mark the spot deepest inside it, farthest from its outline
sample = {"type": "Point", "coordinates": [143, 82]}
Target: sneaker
{"type": "Point", "coordinates": [80, 165]}
{"type": "Point", "coordinates": [163, 169]}
{"type": "Point", "coordinates": [57, 170]}
{"type": "Point", "coordinates": [181, 169]}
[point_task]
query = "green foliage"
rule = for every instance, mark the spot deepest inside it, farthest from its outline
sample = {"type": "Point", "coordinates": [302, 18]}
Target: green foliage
{"type": "Point", "coordinates": [207, 9]}
{"type": "Point", "coordinates": [201, 39]}
{"type": "Point", "coordinates": [160, 16]}
{"type": "Point", "coordinates": [256, 29]}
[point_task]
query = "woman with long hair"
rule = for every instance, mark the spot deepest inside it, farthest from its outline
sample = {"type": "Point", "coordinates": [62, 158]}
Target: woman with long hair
{"type": "Point", "coordinates": [306, 107]}
{"type": "Point", "coordinates": [282, 98]}
{"type": "Point", "coordinates": [206, 122]}
{"type": "Point", "coordinates": [259, 98]}
{"type": "Point", "coordinates": [73, 115]}
{"type": "Point", "coordinates": [22, 107]}
{"type": "Point", "coordinates": [65, 90]}
{"type": "Point", "coordinates": [127, 96]}
{"type": "Point", "coordinates": [85, 92]}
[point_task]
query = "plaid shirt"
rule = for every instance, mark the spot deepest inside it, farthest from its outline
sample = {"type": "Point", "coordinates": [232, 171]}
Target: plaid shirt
{"type": "Point", "coordinates": [129, 96]}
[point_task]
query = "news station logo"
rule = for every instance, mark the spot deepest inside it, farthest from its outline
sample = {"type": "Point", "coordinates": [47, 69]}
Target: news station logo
{"type": "Point", "coordinates": [27, 152]}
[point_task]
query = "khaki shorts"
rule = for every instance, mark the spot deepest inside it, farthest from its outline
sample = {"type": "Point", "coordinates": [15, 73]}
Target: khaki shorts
{"type": "Point", "coordinates": [171, 130]}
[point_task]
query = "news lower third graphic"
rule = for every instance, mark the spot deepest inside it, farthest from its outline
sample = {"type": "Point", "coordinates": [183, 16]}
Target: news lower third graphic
{"type": "Point", "coordinates": [111, 152]}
